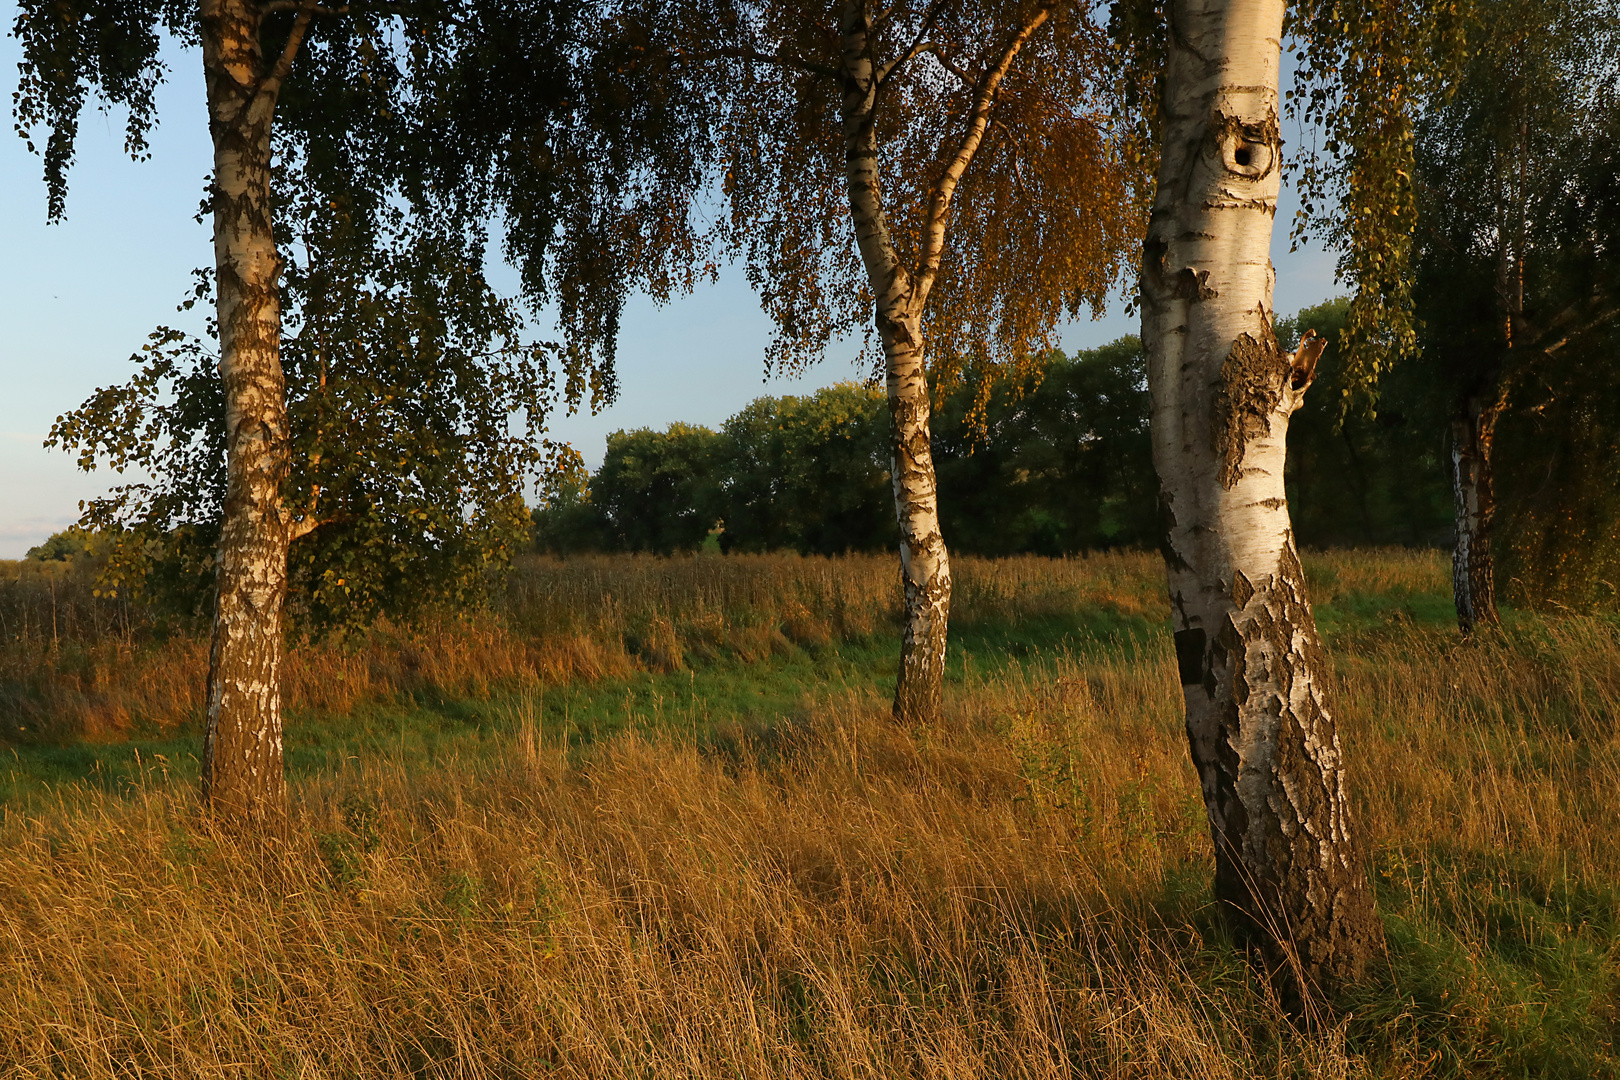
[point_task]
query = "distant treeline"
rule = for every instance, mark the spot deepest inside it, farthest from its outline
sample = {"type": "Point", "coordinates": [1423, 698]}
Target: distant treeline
{"type": "Point", "coordinates": [1059, 463]}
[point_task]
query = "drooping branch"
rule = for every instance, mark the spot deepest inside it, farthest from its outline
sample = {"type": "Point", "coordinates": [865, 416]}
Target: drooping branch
{"type": "Point", "coordinates": [1017, 158]}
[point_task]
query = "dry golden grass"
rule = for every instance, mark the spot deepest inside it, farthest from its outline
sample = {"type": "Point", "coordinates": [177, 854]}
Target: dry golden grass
{"type": "Point", "coordinates": [73, 665]}
{"type": "Point", "coordinates": [1019, 893]}
{"type": "Point", "coordinates": [849, 901]}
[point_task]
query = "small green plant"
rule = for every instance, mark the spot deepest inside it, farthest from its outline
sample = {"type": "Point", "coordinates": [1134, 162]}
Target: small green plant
{"type": "Point", "coordinates": [461, 894]}
{"type": "Point", "coordinates": [344, 851]}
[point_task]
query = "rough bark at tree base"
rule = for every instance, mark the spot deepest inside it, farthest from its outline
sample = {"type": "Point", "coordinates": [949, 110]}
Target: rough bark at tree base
{"type": "Point", "coordinates": [1269, 760]}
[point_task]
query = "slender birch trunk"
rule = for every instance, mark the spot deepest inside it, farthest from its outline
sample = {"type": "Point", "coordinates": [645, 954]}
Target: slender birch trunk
{"type": "Point", "coordinates": [901, 296]}
{"type": "Point", "coordinates": [1473, 569]}
{"type": "Point", "coordinates": [925, 566]}
{"type": "Point", "coordinates": [1288, 861]}
{"type": "Point", "coordinates": [243, 777]}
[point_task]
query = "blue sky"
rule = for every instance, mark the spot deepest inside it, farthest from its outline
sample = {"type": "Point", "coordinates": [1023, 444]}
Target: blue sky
{"type": "Point", "coordinates": [78, 298]}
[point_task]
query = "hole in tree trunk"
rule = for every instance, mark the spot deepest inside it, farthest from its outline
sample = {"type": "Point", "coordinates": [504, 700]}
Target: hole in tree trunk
{"type": "Point", "coordinates": [1243, 156]}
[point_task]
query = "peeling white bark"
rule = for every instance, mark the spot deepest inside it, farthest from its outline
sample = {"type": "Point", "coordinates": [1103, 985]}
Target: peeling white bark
{"type": "Point", "coordinates": [1253, 671]}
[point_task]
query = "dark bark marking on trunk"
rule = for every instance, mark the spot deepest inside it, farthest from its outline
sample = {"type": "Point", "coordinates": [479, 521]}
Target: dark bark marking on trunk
{"type": "Point", "coordinates": [1194, 285]}
{"type": "Point", "coordinates": [1251, 385]}
{"type": "Point", "coordinates": [1302, 364]}
{"type": "Point", "coordinates": [1167, 530]}
{"type": "Point", "coordinates": [1190, 655]}
{"type": "Point", "coordinates": [1242, 590]}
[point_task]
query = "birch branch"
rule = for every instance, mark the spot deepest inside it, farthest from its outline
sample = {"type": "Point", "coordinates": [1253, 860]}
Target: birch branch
{"type": "Point", "coordinates": [940, 204]}
{"type": "Point", "coordinates": [270, 85]}
{"type": "Point", "coordinates": [308, 522]}
{"type": "Point", "coordinates": [1585, 328]}
{"type": "Point", "coordinates": [919, 43]}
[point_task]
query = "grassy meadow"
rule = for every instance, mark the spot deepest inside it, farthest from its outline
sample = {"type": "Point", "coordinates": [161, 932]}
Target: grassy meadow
{"type": "Point", "coordinates": [649, 818]}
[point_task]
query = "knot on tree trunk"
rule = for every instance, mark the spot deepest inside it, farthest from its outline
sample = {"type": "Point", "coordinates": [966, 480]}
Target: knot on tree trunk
{"type": "Point", "coordinates": [901, 331]}
{"type": "Point", "coordinates": [1246, 148]}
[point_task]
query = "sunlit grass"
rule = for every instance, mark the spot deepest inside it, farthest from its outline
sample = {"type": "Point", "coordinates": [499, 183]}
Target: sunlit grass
{"type": "Point", "coordinates": [713, 855]}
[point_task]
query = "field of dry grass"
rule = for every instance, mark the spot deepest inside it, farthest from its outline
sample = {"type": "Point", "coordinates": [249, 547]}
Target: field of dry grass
{"type": "Point", "coordinates": [1020, 892]}
{"type": "Point", "coordinates": [75, 665]}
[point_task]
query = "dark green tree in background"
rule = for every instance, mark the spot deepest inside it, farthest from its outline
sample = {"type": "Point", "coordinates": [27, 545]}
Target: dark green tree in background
{"type": "Point", "coordinates": [403, 370]}
{"type": "Point", "coordinates": [1051, 463]}
{"type": "Point", "coordinates": [564, 520]}
{"type": "Point", "coordinates": [1358, 477]}
{"type": "Point", "coordinates": [1057, 461]}
{"type": "Point", "coordinates": [808, 474]}
{"type": "Point", "coordinates": [1518, 294]}
{"type": "Point", "coordinates": [654, 491]}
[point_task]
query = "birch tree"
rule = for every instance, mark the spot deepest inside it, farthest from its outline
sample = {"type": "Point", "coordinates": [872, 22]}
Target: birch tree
{"type": "Point", "coordinates": [1512, 275]}
{"type": "Point", "coordinates": [1449, 148]}
{"type": "Point", "coordinates": [248, 51]}
{"type": "Point", "coordinates": [941, 177]}
{"type": "Point", "coordinates": [1288, 855]}
{"type": "Point", "coordinates": [350, 103]}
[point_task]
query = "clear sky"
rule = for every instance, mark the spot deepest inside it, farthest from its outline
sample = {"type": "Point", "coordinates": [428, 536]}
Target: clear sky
{"type": "Point", "coordinates": [78, 298]}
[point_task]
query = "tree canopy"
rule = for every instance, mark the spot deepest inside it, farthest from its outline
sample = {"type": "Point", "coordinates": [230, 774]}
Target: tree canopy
{"type": "Point", "coordinates": [1039, 228]}
{"type": "Point", "coordinates": [417, 399]}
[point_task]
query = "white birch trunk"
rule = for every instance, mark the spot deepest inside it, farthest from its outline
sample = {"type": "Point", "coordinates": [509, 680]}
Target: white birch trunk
{"type": "Point", "coordinates": [924, 562]}
{"type": "Point", "coordinates": [1288, 860]}
{"type": "Point", "coordinates": [243, 776]}
{"type": "Point", "coordinates": [901, 296]}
